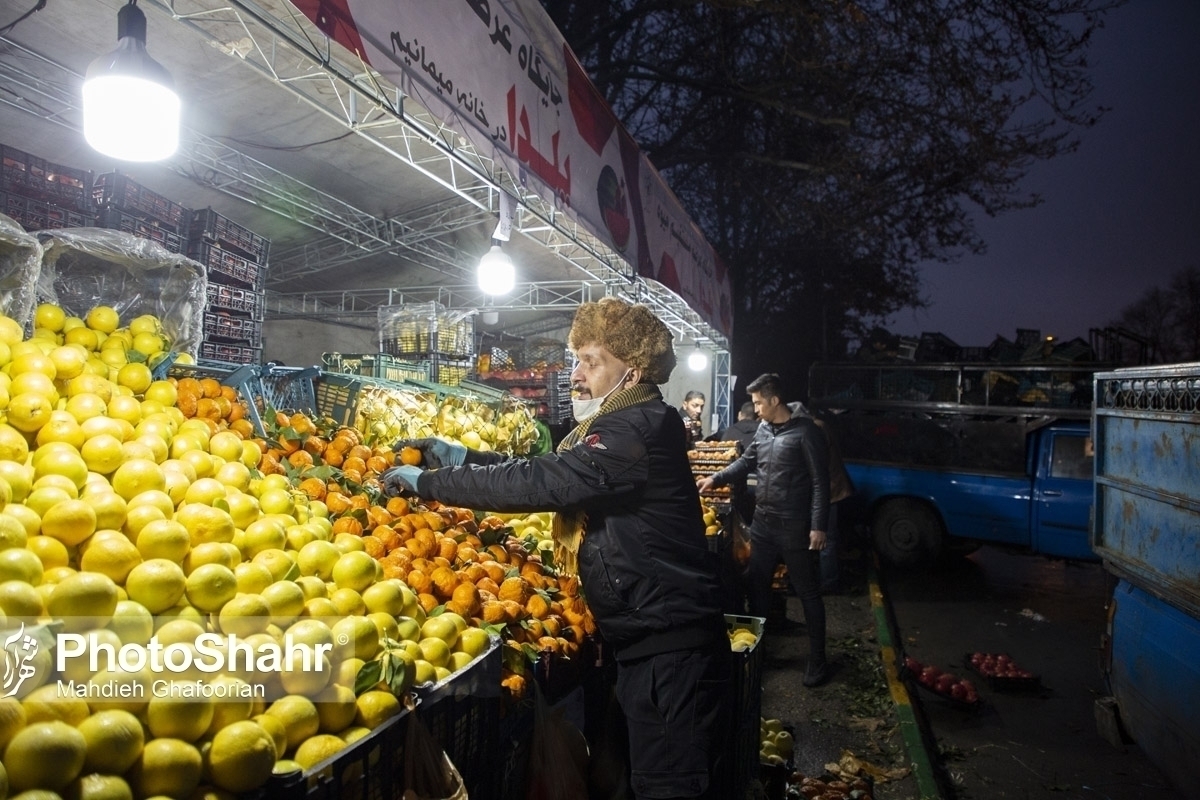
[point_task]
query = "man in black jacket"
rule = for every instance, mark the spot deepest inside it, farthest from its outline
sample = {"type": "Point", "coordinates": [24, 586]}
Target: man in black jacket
{"type": "Point", "coordinates": [628, 508]}
{"type": "Point", "coordinates": [791, 511]}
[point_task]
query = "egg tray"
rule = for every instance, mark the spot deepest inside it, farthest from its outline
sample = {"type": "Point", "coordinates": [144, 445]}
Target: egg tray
{"type": "Point", "coordinates": [1004, 683]}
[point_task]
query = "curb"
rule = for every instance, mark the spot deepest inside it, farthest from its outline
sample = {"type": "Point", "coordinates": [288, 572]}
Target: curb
{"type": "Point", "coordinates": [910, 728]}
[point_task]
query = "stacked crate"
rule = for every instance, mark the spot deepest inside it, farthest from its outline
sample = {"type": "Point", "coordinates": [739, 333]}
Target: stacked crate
{"type": "Point", "coordinates": [235, 259]}
{"type": "Point", "coordinates": [125, 205]}
{"type": "Point", "coordinates": [41, 195]}
{"type": "Point", "coordinates": [428, 332]}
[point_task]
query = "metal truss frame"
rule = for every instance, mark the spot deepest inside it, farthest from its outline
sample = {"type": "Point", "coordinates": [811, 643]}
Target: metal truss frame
{"type": "Point", "coordinates": [268, 37]}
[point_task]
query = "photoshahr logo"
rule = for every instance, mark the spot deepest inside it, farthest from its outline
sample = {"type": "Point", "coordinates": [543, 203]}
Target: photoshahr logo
{"type": "Point", "coordinates": [18, 653]}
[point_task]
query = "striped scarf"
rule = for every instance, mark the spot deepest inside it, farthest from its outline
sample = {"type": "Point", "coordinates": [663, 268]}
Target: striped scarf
{"type": "Point", "coordinates": [568, 527]}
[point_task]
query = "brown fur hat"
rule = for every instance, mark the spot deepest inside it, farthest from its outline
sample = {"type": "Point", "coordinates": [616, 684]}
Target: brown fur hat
{"type": "Point", "coordinates": [630, 332]}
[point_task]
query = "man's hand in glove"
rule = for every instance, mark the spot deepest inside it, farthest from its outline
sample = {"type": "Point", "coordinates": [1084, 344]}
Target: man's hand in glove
{"type": "Point", "coordinates": [401, 480]}
{"type": "Point", "coordinates": [435, 453]}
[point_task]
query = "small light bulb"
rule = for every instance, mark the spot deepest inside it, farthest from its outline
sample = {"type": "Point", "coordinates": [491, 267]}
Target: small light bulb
{"type": "Point", "coordinates": [496, 272]}
{"type": "Point", "coordinates": [697, 361]}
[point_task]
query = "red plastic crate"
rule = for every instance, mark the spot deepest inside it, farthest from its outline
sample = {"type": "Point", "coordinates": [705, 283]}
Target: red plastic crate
{"type": "Point", "coordinates": [118, 220]}
{"type": "Point", "coordinates": [209, 225]}
{"type": "Point", "coordinates": [226, 264]}
{"type": "Point", "coordinates": [120, 191]}
{"type": "Point", "coordinates": [38, 215]}
{"type": "Point", "coordinates": [29, 175]}
{"type": "Point", "coordinates": [232, 298]}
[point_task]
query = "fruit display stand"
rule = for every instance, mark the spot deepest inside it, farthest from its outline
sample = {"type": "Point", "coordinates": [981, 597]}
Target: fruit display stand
{"type": "Point", "coordinates": [85, 267]}
{"type": "Point", "coordinates": [377, 365]}
{"type": "Point", "coordinates": [20, 264]}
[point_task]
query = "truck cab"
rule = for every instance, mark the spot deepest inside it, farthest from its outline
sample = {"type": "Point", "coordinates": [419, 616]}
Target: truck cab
{"type": "Point", "coordinates": [952, 467]}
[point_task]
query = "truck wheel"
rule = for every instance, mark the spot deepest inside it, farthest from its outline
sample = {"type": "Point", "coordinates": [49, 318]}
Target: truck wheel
{"type": "Point", "coordinates": [907, 533]}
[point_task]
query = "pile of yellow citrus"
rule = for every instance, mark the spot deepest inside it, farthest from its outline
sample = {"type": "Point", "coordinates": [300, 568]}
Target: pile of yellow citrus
{"type": "Point", "coordinates": [123, 519]}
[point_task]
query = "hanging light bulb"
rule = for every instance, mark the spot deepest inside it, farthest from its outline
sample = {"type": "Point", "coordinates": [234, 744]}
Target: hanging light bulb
{"type": "Point", "coordinates": [697, 361]}
{"type": "Point", "coordinates": [496, 272]}
{"type": "Point", "coordinates": [130, 108]}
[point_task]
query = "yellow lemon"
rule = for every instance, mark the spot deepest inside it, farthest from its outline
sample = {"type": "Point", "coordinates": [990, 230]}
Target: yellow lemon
{"type": "Point", "coordinates": [126, 407]}
{"type": "Point", "coordinates": [317, 749]}
{"type": "Point", "coordinates": [244, 615]}
{"type": "Point", "coordinates": [154, 497]}
{"type": "Point", "coordinates": [138, 518]}
{"type": "Point", "coordinates": [13, 446]}
{"type": "Point", "coordinates": [12, 719]}
{"type": "Point", "coordinates": [205, 491]}
{"type": "Point", "coordinates": [354, 570]}
{"type": "Point", "coordinates": [299, 717]}
{"type": "Point", "coordinates": [165, 539]}
{"type": "Point", "coordinates": [163, 392]}
{"type": "Point", "coordinates": [158, 584]}
{"type": "Point", "coordinates": [166, 768]}
{"type": "Point", "coordinates": [90, 384]}
{"type": "Point", "coordinates": [11, 331]}
{"type": "Point", "coordinates": [211, 586]}
{"type": "Point", "coordinates": [148, 344]}
{"type": "Point", "coordinates": [252, 578]}
{"type": "Point", "coordinates": [32, 361]}
{"type": "Point", "coordinates": [52, 552]}
{"type": "Point", "coordinates": [132, 621]}
{"type": "Point", "coordinates": [105, 425]}
{"type": "Point", "coordinates": [374, 707]}
{"type": "Point", "coordinates": [12, 533]}
{"type": "Point", "coordinates": [44, 755]}
{"type": "Point", "coordinates": [205, 523]}
{"type": "Point", "coordinates": [136, 476]}
{"type": "Point", "coordinates": [61, 427]}
{"type": "Point", "coordinates": [201, 461]}
{"type": "Point", "coordinates": [84, 601]}
{"type": "Point", "coordinates": [236, 475]}
{"type": "Point", "coordinates": [84, 337]}
{"type": "Point", "coordinates": [171, 714]}
{"type": "Point", "coordinates": [45, 704]}
{"type": "Point", "coordinates": [136, 377]}
{"type": "Point", "coordinates": [18, 564]}
{"type": "Point", "coordinates": [68, 361]}
{"type": "Point", "coordinates": [29, 412]}
{"type": "Point", "coordinates": [100, 787]}
{"type": "Point", "coordinates": [113, 739]}
{"type": "Point", "coordinates": [241, 757]}
{"type": "Point", "coordinates": [70, 521]}
{"type": "Point", "coordinates": [114, 556]}
{"type": "Point", "coordinates": [103, 318]}
{"type": "Point", "coordinates": [19, 600]}
{"type": "Point", "coordinates": [61, 461]}
{"type": "Point", "coordinates": [276, 729]}
{"type": "Point", "coordinates": [102, 453]}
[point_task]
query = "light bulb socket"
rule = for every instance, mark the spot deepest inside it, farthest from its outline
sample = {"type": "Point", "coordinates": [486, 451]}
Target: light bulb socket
{"type": "Point", "coordinates": [131, 22]}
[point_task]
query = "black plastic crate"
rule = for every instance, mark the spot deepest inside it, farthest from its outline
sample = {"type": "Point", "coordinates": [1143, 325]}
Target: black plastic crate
{"type": "Point", "coordinates": [225, 265]}
{"type": "Point", "coordinates": [230, 353]}
{"type": "Point", "coordinates": [232, 298]}
{"type": "Point", "coordinates": [38, 215]}
{"type": "Point", "coordinates": [740, 762]}
{"type": "Point", "coordinates": [119, 220]}
{"type": "Point", "coordinates": [112, 189]}
{"type": "Point", "coordinates": [207, 224]}
{"type": "Point", "coordinates": [219, 325]}
{"type": "Point", "coordinates": [60, 185]}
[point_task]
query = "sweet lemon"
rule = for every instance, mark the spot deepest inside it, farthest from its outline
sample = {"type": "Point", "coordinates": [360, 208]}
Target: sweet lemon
{"type": "Point", "coordinates": [114, 557]}
{"type": "Point", "coordinates": [44, 755]}
{"type": "Point", "coordinates": [211, 586]}
{"type": "Point", "coordinates": [171, 715]}
{"type": "Point", "coordinates": [83, 601]}
{"type": "Point", "coordinates": [113, 740]}
{"type": "Point", "coordinates": [241, 757]}
{"type": "Point", "coordinates": [317, 749]}
{"type": "Point", "coordinates": [136, 476]}
{"type": "Point", "coordinates": [102, 453]}
{"type": "Point", "coordinates": [374, 707]}
{"type": "Point", "coordinates": [165, 539]}
{"type": "Point", "coordinates": [70, 521]}
{"type": "Point", "coordinates": [103, 318]}
{"type": "Point", "coordinates": [157, 584]}
{"type": "Point", "coordinates": [166, 768]}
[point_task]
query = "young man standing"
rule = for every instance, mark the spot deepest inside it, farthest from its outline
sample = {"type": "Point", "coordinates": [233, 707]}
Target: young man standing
{"type": "Point", "coordinates": [791, 458]}
{"type": "Point", "coordinates": [629, 520]}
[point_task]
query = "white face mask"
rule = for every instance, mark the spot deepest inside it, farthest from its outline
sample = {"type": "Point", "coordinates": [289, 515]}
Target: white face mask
{"type": "Point", "coordinates": [586, 409]}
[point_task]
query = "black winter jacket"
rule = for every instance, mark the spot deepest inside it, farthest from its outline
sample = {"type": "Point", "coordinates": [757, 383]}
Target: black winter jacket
{"type": "Point", "coordinates": [792, 463]}
{"type": "Point", "coordinates": [644, 565]}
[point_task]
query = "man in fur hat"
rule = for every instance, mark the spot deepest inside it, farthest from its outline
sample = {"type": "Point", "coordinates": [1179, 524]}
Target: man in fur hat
{"type": "Point", "coordinates": [629, 522]}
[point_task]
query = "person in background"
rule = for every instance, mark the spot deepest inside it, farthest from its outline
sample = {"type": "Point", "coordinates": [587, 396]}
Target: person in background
{"type": "Point", "coordinates": [691, 411]}
{"type": "Point", "coordinates": [629, 523]}
{"type": "Point", "coordinates": [840, 488]}
{"type": "Point", "coordinates": [741, 431]}
{"type": "Point", "coordinates": [791, 515]}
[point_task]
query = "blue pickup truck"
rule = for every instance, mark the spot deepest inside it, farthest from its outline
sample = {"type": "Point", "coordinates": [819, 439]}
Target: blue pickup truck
{"type": "Point", "coordinates": [945, 457]}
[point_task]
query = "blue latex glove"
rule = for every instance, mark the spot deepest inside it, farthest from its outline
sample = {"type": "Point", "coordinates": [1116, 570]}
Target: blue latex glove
{"type": "Point", "coordinates": [401, 480]}
{"type": "Point", "coordinates": [436, 453]}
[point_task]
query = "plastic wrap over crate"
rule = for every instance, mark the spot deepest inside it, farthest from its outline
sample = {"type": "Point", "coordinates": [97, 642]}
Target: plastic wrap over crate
{"type": "Point", "coordinates": [423, 329]}
{"type": "Point", "coordinates": [85, 267]}
{"type": "Point", "coordinates": [20, 264]}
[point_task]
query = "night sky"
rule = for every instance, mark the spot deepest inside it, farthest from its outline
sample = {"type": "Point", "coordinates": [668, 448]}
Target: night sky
{"type": "Point", "coordinates": [1120, 215]}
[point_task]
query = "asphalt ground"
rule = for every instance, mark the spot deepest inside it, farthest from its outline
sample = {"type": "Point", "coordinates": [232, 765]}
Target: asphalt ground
{"type": "Point", "coordinates": [1048, 615]}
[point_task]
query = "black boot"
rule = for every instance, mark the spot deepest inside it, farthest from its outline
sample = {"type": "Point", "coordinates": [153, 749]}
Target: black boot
{"type": "Point", "coordinates": [817, 670]}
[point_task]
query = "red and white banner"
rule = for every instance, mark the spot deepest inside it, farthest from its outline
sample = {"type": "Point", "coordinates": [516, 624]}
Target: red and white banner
{"type": "Point", "coordinates": [500, 73]}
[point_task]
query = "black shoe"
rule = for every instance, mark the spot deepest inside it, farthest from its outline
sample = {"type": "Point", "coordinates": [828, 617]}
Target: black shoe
{"type": "Point", "coordinates": [816, 673]}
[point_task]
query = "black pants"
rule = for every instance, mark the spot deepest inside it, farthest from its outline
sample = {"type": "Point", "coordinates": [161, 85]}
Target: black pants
{"type": "Point", "coordinates": [675, 711]}
{"type": "Point", "coordinates": [773, 539]}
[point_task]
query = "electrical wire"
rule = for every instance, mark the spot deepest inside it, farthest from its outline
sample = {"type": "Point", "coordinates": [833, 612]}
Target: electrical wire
{"type": "Point", "coordinates": [8, 28]}
{"type": "Point", "coordinates": [294, 148]}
